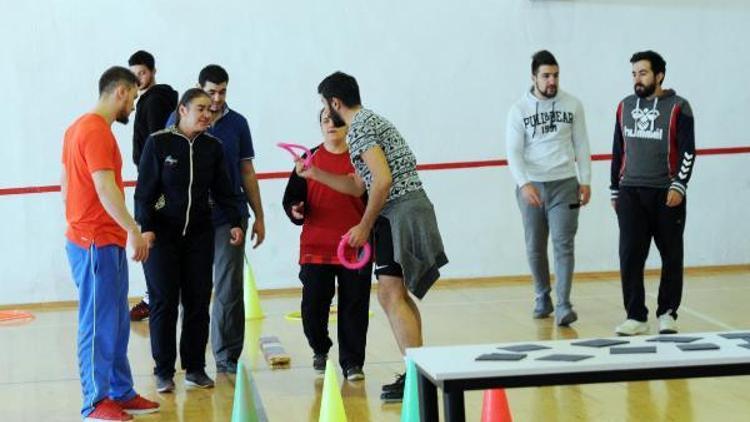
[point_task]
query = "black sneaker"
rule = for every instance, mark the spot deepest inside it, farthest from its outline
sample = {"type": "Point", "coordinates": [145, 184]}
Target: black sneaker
{"type": "Point", "coordinates": [395, 394]}
{"type": "Point", "coordinates": [398, 385]}
{"type": "Point", "coordinates": [354, 373]}
{"type": "Point", "coordinates": [228, 367]}
{"type": "Point", "coordinates": [319, 362]}
{"type": "Point", "coordinates": [198, 379]}
{"type": "Point", "coordinates": [164, 384]}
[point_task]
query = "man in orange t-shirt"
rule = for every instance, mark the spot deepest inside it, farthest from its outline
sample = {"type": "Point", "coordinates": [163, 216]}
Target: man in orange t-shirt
{"type": "Point", "coordinates": [99, 226]}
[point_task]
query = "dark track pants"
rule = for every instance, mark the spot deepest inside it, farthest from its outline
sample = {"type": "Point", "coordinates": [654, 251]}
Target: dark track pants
{"type": "Point", "coordinates": [178, 269]}
{"type": "Point", "coordinates": [318, 281]}
{"type": "Point", "coordinates": [642, 214]}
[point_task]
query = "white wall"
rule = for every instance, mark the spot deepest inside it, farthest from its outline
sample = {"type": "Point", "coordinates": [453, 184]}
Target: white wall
{"type": "Point", "coordinates": [444, 72]}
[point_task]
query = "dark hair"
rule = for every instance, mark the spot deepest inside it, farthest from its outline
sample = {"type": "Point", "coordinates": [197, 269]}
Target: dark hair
{"type": "Point", "coordinates": [658, 65]}
{"type": "Point", "coordinates": [336, 122]}
{"type": "Point", "coordinates": [143, 58]}
{"type": "Point", "coordinates": [342, 86]}
{"type": "Point", "coordinates": [187, 98]}
{"type": "Point", "coordinates": [213, 73]}
{"type": "Point", "coordinates": [542, 58]}
{"type": "Point", "coordinates": [114, 77]}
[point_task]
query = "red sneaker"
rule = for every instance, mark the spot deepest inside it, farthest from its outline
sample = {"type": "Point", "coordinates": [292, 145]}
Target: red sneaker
{"type": "Point", "coordinates": [139, 406]}
{"type": "Point", "coordinates": [107, 410]}
{"type": "Point", "coordinates": [139, 312]}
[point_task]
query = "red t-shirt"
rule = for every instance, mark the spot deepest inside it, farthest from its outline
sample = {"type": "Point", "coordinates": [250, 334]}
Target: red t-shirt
{"type": "Point", "coordinates": [89, 146]}
{"type": "Point", "coordinates": [328, 214]}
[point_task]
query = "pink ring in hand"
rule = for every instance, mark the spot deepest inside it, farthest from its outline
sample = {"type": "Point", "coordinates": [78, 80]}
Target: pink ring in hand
{"type": "Point", "coordinates": [291, 147]}
{"type": "Point", "coordinates": [364, 254]}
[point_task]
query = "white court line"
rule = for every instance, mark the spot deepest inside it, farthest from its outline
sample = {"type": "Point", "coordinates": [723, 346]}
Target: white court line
{"type": "Point", "coordinates": [530, 298]}
{"type": "Point", "coordinates": [700, 315]}
{"type": "Point", "coordinates": [470, 301]}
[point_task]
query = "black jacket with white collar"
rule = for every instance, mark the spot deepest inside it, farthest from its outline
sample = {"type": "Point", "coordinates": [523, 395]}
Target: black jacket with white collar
{"type": "Point", "coordinates": [179, 179]}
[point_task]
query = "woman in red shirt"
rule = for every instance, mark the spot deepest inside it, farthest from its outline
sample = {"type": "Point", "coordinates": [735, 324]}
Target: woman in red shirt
{"type": "Point", "coordinates": [325, 216]}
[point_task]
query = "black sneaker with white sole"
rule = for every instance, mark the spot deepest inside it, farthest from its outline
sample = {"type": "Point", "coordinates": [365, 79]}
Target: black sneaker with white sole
{"type": "Point", "coordinates": [354, 373]}
{"type": "Point", "coordinates": [164, 384]}
{"type": "Point", "coordinates": [198, 379]}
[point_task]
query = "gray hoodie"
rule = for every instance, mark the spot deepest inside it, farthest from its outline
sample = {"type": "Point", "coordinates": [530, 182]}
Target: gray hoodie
{"type": "Point", "coordinates": [546, 139]}
{"type": "Point", "coordinates": [654, 143]}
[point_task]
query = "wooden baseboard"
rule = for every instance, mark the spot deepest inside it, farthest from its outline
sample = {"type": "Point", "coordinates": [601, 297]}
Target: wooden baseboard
{"type": "Point", "coordinates": [449, 283]}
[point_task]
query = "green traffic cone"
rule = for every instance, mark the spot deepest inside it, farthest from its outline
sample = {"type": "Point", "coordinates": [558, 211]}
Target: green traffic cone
{"type": "Point", "coordinates": [410, 403]}
{"type": "Point", "coordinates": [243, 409]}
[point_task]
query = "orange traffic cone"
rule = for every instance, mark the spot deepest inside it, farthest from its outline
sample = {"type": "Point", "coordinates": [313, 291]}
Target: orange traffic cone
{"type": "Point", "coordinates": [495, 406]}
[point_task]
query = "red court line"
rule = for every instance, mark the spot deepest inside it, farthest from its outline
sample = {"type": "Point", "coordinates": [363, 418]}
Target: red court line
{"type": "Point", "coordinates": [423, 167]}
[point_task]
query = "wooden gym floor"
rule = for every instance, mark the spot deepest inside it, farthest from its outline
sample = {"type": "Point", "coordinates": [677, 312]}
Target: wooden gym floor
{"type": "Point", "coordinates": [39, 375]}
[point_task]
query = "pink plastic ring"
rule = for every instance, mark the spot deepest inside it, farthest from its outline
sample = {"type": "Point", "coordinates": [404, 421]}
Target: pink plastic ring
{"type": "Point", "coordinates": [292, 147]}
{"type": "Point", "coordinates": [364, 255]}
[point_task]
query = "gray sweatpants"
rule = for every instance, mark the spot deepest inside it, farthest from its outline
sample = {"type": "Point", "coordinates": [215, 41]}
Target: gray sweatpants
{"type": "Point", "coordinates": [555, 217]}
{"type": "Point", "coordinates": [228, 313]}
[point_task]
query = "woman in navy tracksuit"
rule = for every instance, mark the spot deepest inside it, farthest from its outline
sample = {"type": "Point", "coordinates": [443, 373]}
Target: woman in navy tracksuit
{"type": "Point", "coordinates": [179, 166]}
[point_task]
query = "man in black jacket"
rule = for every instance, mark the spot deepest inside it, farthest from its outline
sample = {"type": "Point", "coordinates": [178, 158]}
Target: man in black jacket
{"type": "Point", "coordinates": [155, 103]}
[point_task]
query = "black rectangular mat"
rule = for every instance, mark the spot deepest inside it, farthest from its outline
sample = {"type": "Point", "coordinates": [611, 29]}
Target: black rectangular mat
{"type": "Point", "coordinates": [632, 350]}
{"type": "Point", "coordinates": [524, 348]}
{"type": "Point", "coordinates": [674, 339]}
{"type": "Point", "coordinates": [501, 356]}
{"type": "Point", "coordinates": [697, 346]}
{"type": "Point", "coordinates": [565, 358]}
{"type": "Point", "coordinates": [599, 342]}
{"type": "Point", "coordinates": [736, 335]}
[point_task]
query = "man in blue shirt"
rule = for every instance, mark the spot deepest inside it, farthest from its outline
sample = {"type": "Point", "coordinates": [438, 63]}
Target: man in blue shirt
{"type": "Point", "coordinates": [228, 314]}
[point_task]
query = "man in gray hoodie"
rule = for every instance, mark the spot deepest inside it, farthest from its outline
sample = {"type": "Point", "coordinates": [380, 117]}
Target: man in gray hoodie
{"type": "Point", "coordinates": [653, 153]}
{"type": "Point", "coordinates": [547, 142]}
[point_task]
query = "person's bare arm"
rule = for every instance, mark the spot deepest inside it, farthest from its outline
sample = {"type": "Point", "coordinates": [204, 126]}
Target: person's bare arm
{"type": "Point", "coordinates": [252, 191]}
{"type": "Point", "coordinates": [114, 204]}
{"type": "Point", "coordinates": [382, 180]}
{"type": "Point", "coordinates": [343, 183]}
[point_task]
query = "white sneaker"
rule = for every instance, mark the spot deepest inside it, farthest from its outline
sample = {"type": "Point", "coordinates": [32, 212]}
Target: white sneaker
{"type": "Point", "coordinates": [632, 327]}
{"type": "Point", "coordinates": [667, 324]}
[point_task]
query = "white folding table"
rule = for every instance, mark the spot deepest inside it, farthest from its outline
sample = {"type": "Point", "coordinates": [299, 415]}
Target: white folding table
{"type": "Point", "coordinates": [455, 370]}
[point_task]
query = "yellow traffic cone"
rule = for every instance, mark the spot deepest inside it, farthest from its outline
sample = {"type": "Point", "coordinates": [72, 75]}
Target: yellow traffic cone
{"type": "Point", "coordinates": [250, 294]}
{"type": "Point", "coordinates": [331, 405]}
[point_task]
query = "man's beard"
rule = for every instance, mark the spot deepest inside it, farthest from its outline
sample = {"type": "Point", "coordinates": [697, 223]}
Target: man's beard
{"type": "Point", "coordinates": [335, 116]}
{"type": "Point", "coordinates": [545, 92]}
{"type": "Point", "coordinates": [123, 117]}
{"type": "Point", "coordinates": [644, 91]}
{"type": "Point", "coordinates": [146, 84]}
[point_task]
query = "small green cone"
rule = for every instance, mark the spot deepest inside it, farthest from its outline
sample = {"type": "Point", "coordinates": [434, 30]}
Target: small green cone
{"type": "Point", "coordinates": [243, 409]}
{"type": "Point", "coordinates": [410, 403]}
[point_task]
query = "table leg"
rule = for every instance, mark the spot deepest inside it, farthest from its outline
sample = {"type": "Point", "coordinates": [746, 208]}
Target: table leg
{"type": "Point", "coordinates": [428, 407]}
{"type": "Point", "coordinates": [453, 406]}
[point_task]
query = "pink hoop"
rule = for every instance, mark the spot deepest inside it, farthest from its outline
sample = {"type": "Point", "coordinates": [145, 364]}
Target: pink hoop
{"type": "Point", "coordinates": [364, 256]}
{"type": "Point", "coordinates": [291, 147]}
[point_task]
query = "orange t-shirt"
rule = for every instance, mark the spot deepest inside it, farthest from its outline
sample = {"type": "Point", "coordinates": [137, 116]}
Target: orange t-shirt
{"type": "Point", "coordinates": [89, 145]}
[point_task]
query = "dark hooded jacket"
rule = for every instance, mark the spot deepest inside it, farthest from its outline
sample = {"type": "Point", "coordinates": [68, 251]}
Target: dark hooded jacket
{"type": "Point", "coordinates": [151, 114]}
